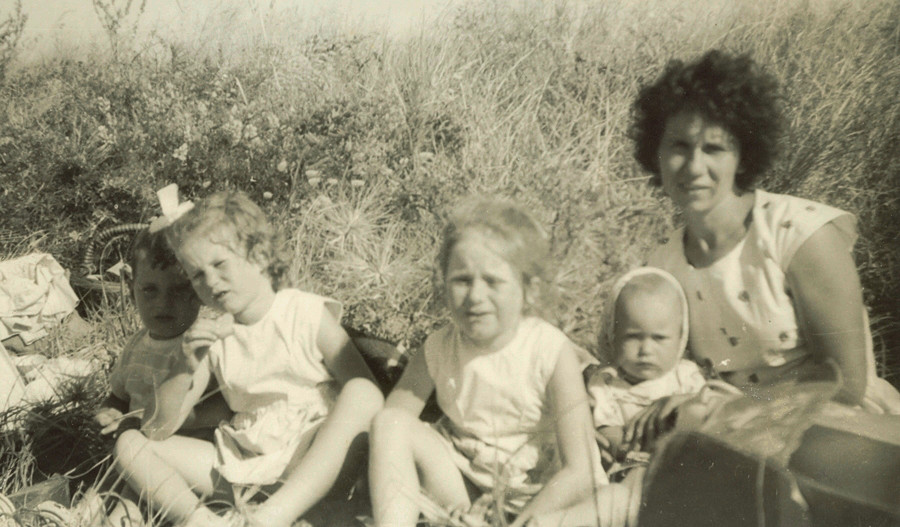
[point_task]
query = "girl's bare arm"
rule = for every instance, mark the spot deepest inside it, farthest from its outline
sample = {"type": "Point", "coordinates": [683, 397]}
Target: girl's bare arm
{"type": "Point", "coordinates": [414, 387]}
{"type": "Point", "coordinates": [342, 358]}
{"type": "Point", "coordinates": [174, 402]}
{"type": "Point", "coordinates": [575, 437]}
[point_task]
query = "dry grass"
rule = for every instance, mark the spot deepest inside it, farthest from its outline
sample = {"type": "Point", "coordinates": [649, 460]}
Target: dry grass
{"type": "Point", "coordinates": [364, 141]}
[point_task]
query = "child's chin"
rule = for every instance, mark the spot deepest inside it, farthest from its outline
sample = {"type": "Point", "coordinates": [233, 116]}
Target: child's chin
{"type": "Point", "coordinates": [642, 375]}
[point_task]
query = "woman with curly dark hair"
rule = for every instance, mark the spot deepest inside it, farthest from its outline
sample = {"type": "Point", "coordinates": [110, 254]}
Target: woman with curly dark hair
{"type": "Point", "coordinates": [771, 285]}
{"type": "Point", "coordinates": [770, 279]}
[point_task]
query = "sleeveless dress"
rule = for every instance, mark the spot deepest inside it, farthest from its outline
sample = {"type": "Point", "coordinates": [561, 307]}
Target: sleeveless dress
{"type": "Point", "coordinates": [498, 421]}
{"type": "Point", "coordinates": [742, 317]}
{"type": "Point", "coordinates": [272, 375]}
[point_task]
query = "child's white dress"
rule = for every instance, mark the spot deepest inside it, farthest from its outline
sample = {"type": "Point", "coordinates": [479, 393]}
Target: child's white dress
{"type": "Point", "coordinates": [615, 401]}
{"type": "Point", "coordinates": [273, 377]}
{"type": "Point", "coordinates": [142, 367]}
{"type": "Point", "coordinates": [498, 418]}
{"type": "Point", "coordinates": [742, 314]}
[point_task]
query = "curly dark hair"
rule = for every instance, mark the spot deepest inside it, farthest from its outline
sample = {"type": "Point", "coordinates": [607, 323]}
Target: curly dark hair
{"type": "Point", "coordinates": [732, 91]}
{"type": "Point", "coordinates": [153, 247]}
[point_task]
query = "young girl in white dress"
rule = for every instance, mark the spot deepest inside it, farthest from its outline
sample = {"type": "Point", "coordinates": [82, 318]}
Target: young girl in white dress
{"type": "Point", "coordinates": [516, 418]}
{"type": "Point", "coordinates": [300, 390]}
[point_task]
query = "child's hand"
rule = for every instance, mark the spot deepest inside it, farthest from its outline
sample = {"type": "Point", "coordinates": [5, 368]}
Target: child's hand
{"type": "Point", "coordinates": [201, 335]}
{"type": "Point", "coordinates": [607, 450]}
{"type": "Point", "coordinates": [109, 419]}
{"type": "Point", "coordinates": [113, 420]}
{"type": "Point", "coordinates": [655, 420]}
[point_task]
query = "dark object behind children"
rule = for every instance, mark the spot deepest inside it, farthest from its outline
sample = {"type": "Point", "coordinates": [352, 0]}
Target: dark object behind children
{"type": "Point", "coordinates": [824, 470]}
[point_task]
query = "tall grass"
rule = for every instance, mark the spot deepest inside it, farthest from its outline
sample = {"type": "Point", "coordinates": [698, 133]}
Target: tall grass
{"type": "Point", "coordinates": [356, 143]}
{"type": "Point", "coordinates": [371, 137]}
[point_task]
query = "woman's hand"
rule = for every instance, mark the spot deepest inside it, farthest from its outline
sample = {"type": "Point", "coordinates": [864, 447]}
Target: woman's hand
{"type": "Point", "coordinates": [653, 421]}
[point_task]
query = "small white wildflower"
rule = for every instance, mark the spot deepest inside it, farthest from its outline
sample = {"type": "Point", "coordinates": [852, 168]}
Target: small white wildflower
{"type": "Point", "coordinates": [312, 173]}
{"type": "Point", "coordinates": [206, 184]}
{"type": "Point", "coordinates": [357, 182]}
{"type": "Point", "coordinates": [314, 181]}
{"type": "Point", "coordinates": [331, 181]}
{"type": "Point", "coordinates": [250, 132]}
{"type": "Point", "coordinates": [268, 195]}
{"type": "Point", "coordinates": [181, 152]}
{"type": "Point", "coordinates": [282, 166]}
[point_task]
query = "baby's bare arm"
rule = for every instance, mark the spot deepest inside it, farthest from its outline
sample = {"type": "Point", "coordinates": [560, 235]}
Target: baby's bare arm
{"type": "Point", "coordinates": [610, 438]}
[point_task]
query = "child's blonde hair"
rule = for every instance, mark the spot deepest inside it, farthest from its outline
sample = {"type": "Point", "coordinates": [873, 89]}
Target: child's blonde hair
{"type": "Point", "coordinates": [515, 234]}
{"type": "Point", "coordinates": [232, 218]}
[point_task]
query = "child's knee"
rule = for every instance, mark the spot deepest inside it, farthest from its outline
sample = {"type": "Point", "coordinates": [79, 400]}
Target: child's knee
{"type": "Point", "coordinates": [363, 395]}
{"type": "Point", "coordinates": [128, 445]}
{"type": "Point", "coordinates": [391, 424]}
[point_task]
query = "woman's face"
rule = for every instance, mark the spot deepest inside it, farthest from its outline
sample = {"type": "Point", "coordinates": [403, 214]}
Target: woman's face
{"type": "Point", "coordinates": [698, 161]}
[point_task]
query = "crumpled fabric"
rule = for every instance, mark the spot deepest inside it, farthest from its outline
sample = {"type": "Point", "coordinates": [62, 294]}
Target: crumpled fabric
{"type": "Point", "coordinates": [35, 296]}
{"type": "Point", "coordinates": [12, 387]}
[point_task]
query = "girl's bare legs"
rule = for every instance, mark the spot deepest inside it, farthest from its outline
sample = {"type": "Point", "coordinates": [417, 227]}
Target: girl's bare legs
{"type": "Point", "coordinates": [405, 454]}
{"type": "Point", "coordinates": [321, 465]}
{"type": "Point", "coordinates": [170, 472]}
{"type": "Point", "coordinates": [614, 505]}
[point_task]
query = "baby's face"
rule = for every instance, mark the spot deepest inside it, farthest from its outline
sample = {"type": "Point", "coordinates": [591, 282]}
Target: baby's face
{"type": "Point", "coordinates": [647, 334]}
{"type": "Point", "coordinates": [164, 299]}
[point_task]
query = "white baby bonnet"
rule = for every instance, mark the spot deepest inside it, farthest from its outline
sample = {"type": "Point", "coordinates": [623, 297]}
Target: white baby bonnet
{"type": "Point", "coordinates": [606, 353]}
